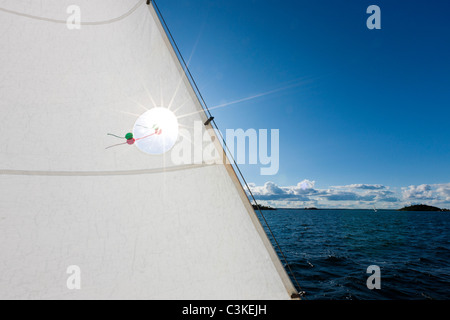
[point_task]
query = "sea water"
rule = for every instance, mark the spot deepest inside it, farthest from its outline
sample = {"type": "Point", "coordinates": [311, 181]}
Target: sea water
{"type": "Point", "coordinates": [329, 252]}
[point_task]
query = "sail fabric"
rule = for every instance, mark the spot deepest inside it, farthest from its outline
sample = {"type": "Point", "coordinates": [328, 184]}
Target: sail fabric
{"type": "Point", "coordinates": [138, 225]}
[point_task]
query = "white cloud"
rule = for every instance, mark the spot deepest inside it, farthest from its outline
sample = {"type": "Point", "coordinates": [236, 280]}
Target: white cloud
{"type": "Point", "coordinates": [432, 194]}
{"type": "Point", "coordinates": [421, 192]}
{"type": "Point", "coordinates": [271, 191]}
{"type": "Point", "coordinates": [362, 186]}
{"type": "Point", "coordinates": [305, 194]}
{"type": "Point", "coordinates": [443, 191]}
{"type": "Point", "coordinates": [348, 196]}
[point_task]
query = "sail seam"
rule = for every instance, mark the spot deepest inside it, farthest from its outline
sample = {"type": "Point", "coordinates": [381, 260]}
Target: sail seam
{"type": "Point", "coordinates": [100, 173]}
{"type": "Point", "coordinates": [128, 13]}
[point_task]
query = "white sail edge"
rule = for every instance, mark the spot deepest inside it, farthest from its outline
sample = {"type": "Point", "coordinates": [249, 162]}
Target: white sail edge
{"type": "Point", "coordinates": [290, 288]}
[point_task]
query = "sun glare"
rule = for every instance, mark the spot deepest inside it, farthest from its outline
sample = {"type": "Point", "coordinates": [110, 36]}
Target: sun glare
{"type": "Point", "coordinates": [156, 131]}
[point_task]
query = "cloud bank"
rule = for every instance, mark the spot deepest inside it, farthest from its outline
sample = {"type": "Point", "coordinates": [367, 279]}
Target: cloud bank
{"type": "Point", "coordinates": [305, 194]}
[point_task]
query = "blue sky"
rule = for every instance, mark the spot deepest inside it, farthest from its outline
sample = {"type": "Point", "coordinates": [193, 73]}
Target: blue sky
{"type": "Point", "coordinates": [367, 120]}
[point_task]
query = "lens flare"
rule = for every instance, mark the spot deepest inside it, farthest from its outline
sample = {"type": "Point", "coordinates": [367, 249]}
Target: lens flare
{"type": "Point", "coordinates": [156, 131]}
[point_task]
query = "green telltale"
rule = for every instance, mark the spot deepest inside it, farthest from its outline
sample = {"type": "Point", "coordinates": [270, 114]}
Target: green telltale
{"type": "Point", "coordinates": [129, 136]}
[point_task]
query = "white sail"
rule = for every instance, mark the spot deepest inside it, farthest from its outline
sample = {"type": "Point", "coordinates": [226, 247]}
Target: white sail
{"type": "Point", "coordinates": [136, 225]}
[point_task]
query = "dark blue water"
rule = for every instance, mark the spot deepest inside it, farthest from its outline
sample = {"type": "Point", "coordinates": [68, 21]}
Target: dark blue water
{"type": "Point", "coordinates": [329, 252]}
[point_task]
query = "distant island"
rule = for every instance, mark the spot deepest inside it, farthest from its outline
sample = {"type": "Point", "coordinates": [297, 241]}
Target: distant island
{"type": "Point", "coordinates": [261, 207]}
{"type": "Point", "coordinates": [255, 207]}
{"type": "Point", "coordinates": [416, 207]}
{"type": "Point", "coordinates": [422, 207]}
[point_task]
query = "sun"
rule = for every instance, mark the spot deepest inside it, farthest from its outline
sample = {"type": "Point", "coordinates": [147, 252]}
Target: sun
{"type": "Point", "coordinates": [156, 131]}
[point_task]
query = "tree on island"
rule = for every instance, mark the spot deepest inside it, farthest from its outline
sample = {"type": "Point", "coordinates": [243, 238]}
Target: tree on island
{"type": "Point", "coordinates": [422, 207]}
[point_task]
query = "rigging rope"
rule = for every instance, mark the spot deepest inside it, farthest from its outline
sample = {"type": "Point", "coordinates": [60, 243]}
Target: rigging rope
{"type": "Point", "coordinates": [211, 120]}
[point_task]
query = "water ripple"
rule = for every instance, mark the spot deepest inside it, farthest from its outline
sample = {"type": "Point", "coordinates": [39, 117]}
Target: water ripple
{"type": "Point", "coordinates": [329, 252]}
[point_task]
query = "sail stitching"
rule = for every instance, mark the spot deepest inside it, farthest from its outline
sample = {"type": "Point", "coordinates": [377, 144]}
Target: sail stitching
{"type": "Point", "coordinates": [140, 2]}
